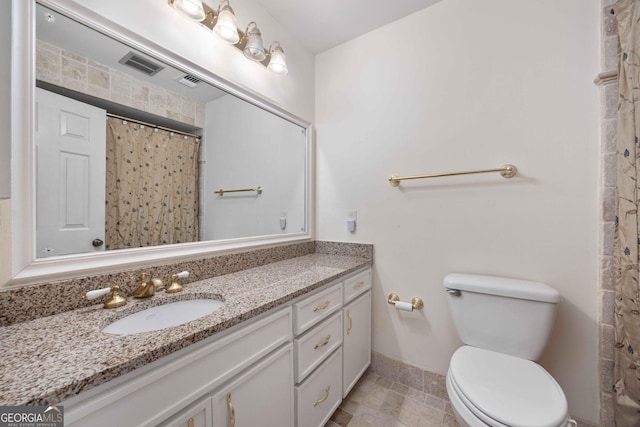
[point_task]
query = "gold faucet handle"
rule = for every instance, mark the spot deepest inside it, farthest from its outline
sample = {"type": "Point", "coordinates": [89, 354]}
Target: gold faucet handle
{"type": "Point", "coordinates": [116, 299]}
{"type": "Point", "coordinates": [175, 286]}
{"type": "Point", "coordinates": [96, 293]}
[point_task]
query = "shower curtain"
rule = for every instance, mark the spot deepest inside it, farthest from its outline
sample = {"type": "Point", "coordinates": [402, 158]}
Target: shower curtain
{"type": "Point", "coordinates": [626, 387]}
{"type": "Point", "coordinates": [151, 186]}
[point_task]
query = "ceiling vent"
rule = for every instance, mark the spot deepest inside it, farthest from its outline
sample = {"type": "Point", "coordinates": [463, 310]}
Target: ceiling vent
{"type": "Point", "coordinates": [189, 80]}
{"type": "Point", "coordinates": [141, 64]}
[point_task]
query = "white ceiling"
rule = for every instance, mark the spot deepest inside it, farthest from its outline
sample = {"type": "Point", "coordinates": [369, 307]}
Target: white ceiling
{"type": "Point", "coordinates": [323, 24]}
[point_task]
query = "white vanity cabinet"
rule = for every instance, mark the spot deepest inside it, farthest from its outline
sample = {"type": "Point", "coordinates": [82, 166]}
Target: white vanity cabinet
{"type": "Point", "coordinates": [357, 328]}
{"type": "Point", "coordinates": [287, 368]}
{"type": "Point", "coordinates": [156, 392]}
{"type": "Point", "coordinates": [332, 346]}
{"type": "Point", "coordinates": [318, 365]}
{"type": "Point", "coordinates": [357, 340]}
{"type": "Point", "coordinates": [262, 396]}
{"type": "Point", "coordinates": [320, 394]}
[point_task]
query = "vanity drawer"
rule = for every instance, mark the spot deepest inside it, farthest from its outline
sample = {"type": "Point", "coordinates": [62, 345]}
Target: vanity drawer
{"type": "Point", "coordinates": [356, 285]}
{"type": "Point", "coordinates": [312, 347]}
{"type": "Point", "coordinates": [321, 393]}
{"type": "Point", "coordinates": [311, 310]}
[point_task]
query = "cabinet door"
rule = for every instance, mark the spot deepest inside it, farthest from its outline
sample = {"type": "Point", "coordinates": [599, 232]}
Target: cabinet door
{"type": "Point", "coordinates": [262, 396]}
{"type": "Point", "coordinates": [196, 415]}
{"type": "Point", "coordinates": [356, 340]}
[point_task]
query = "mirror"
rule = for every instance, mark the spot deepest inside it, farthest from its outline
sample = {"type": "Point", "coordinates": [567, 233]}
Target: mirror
{"type": "Point", "coordinates": [237, 141]}
{"type": "Point", "coordinates": [185, 161]}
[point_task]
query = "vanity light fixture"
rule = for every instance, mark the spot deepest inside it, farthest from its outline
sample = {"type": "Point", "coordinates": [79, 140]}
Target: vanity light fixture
{"type": "Point", "coordinates": [227, 25]}
{"type": "Point", "coordinates": [192, 9]}
{"type": "Point", "coordinates": [223, 22]}
{"type": "Point", "coordinates": [254, 50]}
{"type": "Point", "coordinates": [278, 62]}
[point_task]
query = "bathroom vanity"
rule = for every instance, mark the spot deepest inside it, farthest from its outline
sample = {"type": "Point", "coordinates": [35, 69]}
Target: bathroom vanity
{"type": "Point", "coordinates": [290, 341]}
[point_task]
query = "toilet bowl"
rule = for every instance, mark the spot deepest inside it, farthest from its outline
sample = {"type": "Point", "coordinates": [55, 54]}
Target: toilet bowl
{"type": "Point", "coordinates": [493, 379]}
{"type": "Point", "coordinates": [487, 388]}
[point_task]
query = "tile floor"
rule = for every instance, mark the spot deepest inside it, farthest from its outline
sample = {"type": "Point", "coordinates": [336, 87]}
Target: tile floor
{"type": "Point", "coordinates": [377, 401]}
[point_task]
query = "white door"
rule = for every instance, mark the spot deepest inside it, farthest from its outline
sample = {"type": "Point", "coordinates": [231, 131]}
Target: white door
{"type": "Point", "coordinates": [70, 180]}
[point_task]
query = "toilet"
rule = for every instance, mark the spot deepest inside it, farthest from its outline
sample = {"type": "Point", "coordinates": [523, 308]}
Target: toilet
{"type": "Point", "coordinates": [493, 379]}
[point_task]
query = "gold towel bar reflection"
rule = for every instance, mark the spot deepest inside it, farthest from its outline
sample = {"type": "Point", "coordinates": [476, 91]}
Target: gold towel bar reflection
{"type": "Point", "coordinates": [507, 171]}
{"type": "Point", "coordinates": [221, 191]}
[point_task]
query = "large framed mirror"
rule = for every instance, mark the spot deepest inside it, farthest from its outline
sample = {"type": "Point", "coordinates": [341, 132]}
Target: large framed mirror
{"type": "Point", "coordinates": [138, 156]}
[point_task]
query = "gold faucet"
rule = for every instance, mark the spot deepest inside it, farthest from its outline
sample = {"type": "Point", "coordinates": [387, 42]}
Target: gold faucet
{"type": "Point", "coordinates": [175, 286]}
{"type": "Point", "coordinates": [145, 289]}
{"type": "Point", "coordinates": [115, 300]}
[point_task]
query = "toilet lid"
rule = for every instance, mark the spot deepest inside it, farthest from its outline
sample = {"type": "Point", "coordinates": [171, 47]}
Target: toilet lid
{"type": "Point", "coordinates": [510, 390]}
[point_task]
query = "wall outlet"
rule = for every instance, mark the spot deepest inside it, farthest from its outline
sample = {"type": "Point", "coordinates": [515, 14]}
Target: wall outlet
{"type": "Point", "coordinates": [283, 220]}
{"type": "Point", "coordinates": [351, 221]}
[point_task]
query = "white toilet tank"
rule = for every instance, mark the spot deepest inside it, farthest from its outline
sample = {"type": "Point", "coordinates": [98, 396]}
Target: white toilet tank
{"type": "Point", "coordinates": [509, 316]}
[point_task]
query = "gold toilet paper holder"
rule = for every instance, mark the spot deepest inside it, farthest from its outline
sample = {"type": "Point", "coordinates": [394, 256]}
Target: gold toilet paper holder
{"type": "Point", "coordinates": [416, 302]}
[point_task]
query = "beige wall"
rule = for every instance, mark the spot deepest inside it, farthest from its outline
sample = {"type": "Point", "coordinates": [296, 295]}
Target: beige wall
{"type": "Point", "coordinates": [466, 85]}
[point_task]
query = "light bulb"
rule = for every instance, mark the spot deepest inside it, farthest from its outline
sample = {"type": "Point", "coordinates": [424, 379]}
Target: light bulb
{"type": "Point", "coordinates": [254, 49]}
{"type": "Point", "coordinates": [192, 9]}
{"type": "Point", "coordinates": [278, 62]}
{"type": "Point", "coordinates": [227, 26]}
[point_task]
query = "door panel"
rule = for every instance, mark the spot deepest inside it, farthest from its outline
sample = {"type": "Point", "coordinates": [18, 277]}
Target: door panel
{"type": "Point", "coordinates": [356, 340]}
{"type": "Point", "coordinates": [70, 181]}
{"type": "Point", "coordinates": [263, 396]}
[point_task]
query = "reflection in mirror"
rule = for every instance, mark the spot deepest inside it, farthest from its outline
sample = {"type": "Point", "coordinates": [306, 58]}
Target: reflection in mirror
{"type": "Point", "coordinates": [177, 149]}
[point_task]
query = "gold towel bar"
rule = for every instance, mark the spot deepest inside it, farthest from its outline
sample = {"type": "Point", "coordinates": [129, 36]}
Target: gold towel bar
{"type": "Point", "coordinates": [221, 191]}
{"type": "Point", "coordinates": [507, 171]}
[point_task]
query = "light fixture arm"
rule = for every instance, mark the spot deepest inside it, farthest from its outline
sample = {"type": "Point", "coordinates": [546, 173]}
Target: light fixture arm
{"type": "Point", "coordinates": [255, 27]}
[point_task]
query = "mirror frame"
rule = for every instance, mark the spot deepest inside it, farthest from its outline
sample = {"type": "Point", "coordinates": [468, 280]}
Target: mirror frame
{"type": "Point", "coordinates": [25, 267]}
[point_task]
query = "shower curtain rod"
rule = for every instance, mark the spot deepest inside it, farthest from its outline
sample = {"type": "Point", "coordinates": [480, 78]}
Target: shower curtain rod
{"type": "Point", "coordinates": [140, 122]}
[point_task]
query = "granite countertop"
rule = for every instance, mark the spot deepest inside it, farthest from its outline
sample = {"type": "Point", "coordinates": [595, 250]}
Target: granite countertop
{"type": "Point", "coordinates": [50, 359]}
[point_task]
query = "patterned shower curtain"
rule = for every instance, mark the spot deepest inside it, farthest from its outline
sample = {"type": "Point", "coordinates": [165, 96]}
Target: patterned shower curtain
{"type": "Point", "coordinates": [151, 186]}
{"type": "Point", "coordinates": [627, 240]}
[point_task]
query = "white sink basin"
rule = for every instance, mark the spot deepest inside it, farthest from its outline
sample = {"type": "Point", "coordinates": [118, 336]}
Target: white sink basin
{"type": "Point", "coordinates": [163, 316]}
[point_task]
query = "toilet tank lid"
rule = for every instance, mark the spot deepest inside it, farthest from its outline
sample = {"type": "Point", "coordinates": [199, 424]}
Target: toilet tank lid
{"type": "Point", "coordinates": [502, 286]}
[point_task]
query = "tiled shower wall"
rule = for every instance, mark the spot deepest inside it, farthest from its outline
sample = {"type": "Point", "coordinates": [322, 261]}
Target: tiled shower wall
{"type": "Point", "coordinates": [608, 84]}
{"type": "Point", "coordinates": [72, 71]}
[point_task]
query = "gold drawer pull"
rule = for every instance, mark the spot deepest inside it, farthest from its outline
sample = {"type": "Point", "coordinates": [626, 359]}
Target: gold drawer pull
{"type": "Point", "coordinates": [350, 322]}
{"type": "Point", "coordinates": [191, 423]}
{"type": "Point", "coordinates": [323, 343]}
{"type": "Point", "coordinates": [358, 285]}
{"type": "Point", "coordinates": [232, 412]}
{"type": "Point", "coordinates": [322, 306]}
{"type": "Point", "coordinates": [325, 397]}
